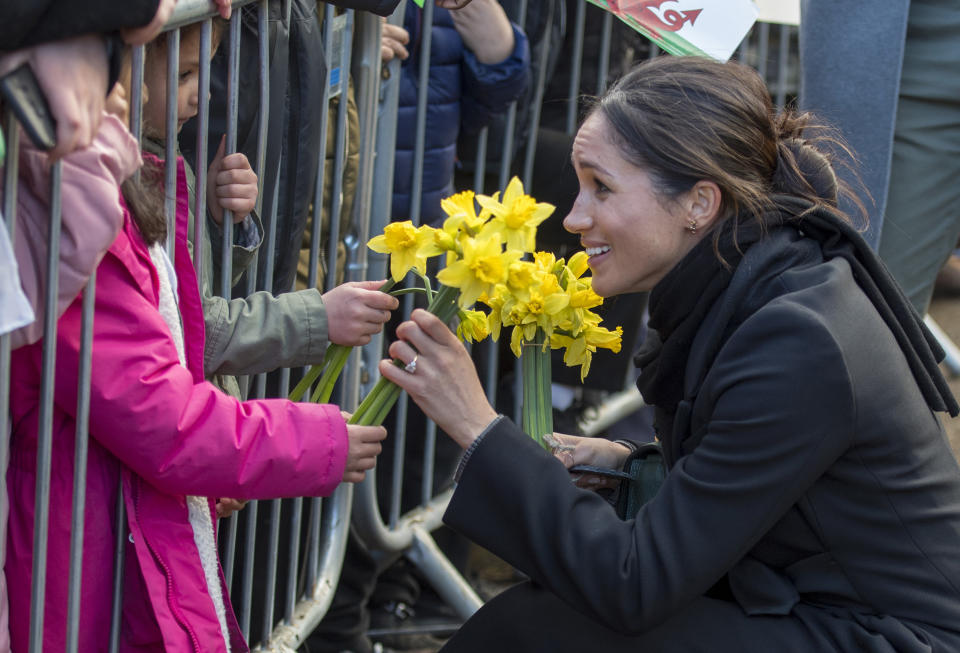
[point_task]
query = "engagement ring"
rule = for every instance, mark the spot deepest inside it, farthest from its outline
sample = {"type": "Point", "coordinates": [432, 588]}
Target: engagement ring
{"type": "Point", "coordinates": [411, 367]}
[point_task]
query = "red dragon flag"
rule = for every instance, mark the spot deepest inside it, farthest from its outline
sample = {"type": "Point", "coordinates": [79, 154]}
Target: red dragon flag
{"type": "Point", "coordinates": [712, 28]}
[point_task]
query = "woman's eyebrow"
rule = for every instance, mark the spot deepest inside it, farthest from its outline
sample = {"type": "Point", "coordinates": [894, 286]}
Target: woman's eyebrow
{"type": "Point", "coordinates": [590, 164]}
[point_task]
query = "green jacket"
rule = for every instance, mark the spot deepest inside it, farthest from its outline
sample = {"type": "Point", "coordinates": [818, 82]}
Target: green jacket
{"type": "Point", "coordinates": [259, 333]}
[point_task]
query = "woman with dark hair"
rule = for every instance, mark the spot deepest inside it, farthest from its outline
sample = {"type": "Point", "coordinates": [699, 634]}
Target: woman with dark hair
{"type": "Point", "coordinates": [812, 502]}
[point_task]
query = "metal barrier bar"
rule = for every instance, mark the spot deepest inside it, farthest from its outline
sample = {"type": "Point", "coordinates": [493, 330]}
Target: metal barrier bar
{"type": "Point", "coordinates": [200, 165]}
{"type": "Point", "coordinates": [246, 586]}
{"type": "Point", "coordinates": [272, 549]}
{"type": "Point", "coordinates": [316, 504]}
{"type": "Point", "coordinates": [603, 70]}
{"type": "Point", "coordinates": [294, 559]}
{"type": "Point", "coordinates": [8, 210]}
{"type": "Point", "coordinates": [781, 96]}
{"type": "Point", "coordinates": [340, 155]}
{"type": "Point", "coordinates": [322, 154]}
{"type": "Point", "coordinates": [45, 434]}
{"type": "Point", "coordinates": [170, 140]}
{"type": "Point", "coordinates": [416, 199]}
{"type": "Point", "coordinates": [136, 96]}
{"type": "Point", "coordinates": [763, 48]}
{"type": "Point", "coordinates": [120, 539]}
{"type": "Point", "coordinates": [263, 69]}
{"type": "Point", "coordinates": [80, 466]}
{"type": "Point", "coordinates": [576, 66]}
{"type": "Point", "coordinates": [951, 352]}
{"type": "Point", "coordinates": [233, 83]}
{"type": "Point", "coordinates": [8, 216]}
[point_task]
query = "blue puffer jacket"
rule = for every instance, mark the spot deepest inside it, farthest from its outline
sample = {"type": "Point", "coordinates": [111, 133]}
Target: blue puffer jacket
{"type": "Point", "coordinates": [463, 95]}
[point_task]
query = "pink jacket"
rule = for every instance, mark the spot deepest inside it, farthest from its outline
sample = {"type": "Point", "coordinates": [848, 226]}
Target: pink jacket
{"type": "Point", "coordinates": [91, 178]}
{"type": "Point", "coordinates": [160, 432]}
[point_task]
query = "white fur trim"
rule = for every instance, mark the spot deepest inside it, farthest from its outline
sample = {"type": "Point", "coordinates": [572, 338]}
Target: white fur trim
{"type": "Point", "coordinates": [198, 508]}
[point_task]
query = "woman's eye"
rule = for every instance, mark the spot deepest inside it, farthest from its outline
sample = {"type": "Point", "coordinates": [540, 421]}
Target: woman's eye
{"type": "Point", "coordinates": [601, 187]}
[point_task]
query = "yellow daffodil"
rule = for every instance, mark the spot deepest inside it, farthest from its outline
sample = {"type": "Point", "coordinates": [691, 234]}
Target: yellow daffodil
{"type": "Point", "coordinates": [521, 276]}
{"type": "Point", "coordinates": [579, 350]}
{"type": "Point", "coordinates": [483, 265]}
{"type": "Point", "coordinates": [516, 216]}
{"type": "Point", "coordinates": [494, 317]}
{"type": "Point", "coordinates": [462, 213]}
{"type": "Point", "coordinates": [403, 242]}
{"type": "Point", "coordinates": [473, 326]}
{"type": "Point", "coordinates": [542, 309]}
{"type": "Point", "coordinates": [578, 264]}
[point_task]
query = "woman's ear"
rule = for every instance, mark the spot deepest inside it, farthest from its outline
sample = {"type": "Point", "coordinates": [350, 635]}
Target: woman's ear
{"type": "Point", "coordinates": [703, 203]}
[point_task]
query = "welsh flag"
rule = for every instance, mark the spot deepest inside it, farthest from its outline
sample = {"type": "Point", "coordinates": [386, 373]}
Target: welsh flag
{"type": "Point", "coordinates": [711, 28]}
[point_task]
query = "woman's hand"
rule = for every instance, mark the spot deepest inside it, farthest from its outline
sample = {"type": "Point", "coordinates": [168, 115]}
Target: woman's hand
{"type": "Point", "coordinates": [573, 450]}
{"type": "Point", "coordinates": [140, 35]}
{"type": "Point", "coordinates": [72, 74]}
{"type": "Point", "coordinates": [445, 383]}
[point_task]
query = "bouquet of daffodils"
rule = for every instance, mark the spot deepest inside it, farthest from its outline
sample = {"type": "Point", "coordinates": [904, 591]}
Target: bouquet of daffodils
{"type": "Point", "coordinates": [490, 259]}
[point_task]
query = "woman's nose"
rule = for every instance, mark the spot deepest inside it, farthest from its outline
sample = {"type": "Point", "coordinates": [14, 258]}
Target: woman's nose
{"type": "Point", "coordinates": [577, 220]}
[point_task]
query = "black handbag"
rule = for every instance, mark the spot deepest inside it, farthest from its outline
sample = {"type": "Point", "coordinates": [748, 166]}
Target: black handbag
{"type": "Point", "coordinates": [640, 477]}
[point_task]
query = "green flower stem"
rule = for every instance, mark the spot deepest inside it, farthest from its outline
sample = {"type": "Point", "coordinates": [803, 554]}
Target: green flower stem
{"type": "Point", "coordinates": [309, 378]}
{"type": "Point", "coordinates": [376, 406]}
{"type": "Point", "coordinates": [334, 360]}
{"type": "Point", "coordinates": [537, 411]}
{"type": "Point", "coordinates": [407, 291]}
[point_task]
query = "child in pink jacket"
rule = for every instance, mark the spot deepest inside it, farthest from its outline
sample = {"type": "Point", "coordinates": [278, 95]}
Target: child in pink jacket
{"type": "Point", "coordinates": [160, 436]}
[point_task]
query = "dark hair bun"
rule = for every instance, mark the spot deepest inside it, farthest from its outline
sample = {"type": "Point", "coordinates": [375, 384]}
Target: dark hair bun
{"type": "Point", "coordinates": [802, 169]}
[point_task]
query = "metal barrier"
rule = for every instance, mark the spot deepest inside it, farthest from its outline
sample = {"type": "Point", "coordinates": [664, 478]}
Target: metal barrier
{"type": "Point", "coordinates": [314, 543]}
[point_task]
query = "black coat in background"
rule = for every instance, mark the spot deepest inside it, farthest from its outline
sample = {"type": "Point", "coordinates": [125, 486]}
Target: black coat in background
{"type": "Point", "coordinates": [814, 484]}
{"type": "Point", "coordinates": [28, 22]}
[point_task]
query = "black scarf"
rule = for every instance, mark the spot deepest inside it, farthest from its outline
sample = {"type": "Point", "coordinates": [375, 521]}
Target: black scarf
{"type": "Point", "coordinates": [680, 302]}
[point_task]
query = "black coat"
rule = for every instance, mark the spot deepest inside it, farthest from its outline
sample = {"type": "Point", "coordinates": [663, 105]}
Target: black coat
{"type": "Point", "coordinates": [816, 480]}
{"type": "Point", "coordinates": [28, 22]}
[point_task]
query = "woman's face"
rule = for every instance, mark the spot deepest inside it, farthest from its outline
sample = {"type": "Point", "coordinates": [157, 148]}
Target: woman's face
{"type": "Point", "coordinates": [632, 238]}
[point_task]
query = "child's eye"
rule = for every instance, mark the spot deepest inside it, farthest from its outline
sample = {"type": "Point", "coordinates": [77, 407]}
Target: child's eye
{"type": "Point", "coordinates": [184, 76]}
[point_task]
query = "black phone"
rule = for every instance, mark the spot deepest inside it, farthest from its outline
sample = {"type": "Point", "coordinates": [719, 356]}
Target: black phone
{"type": "Point", "coordinates": [21, 92]}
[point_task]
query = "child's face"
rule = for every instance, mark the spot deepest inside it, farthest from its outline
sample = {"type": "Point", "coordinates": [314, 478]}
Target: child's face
{"type": "Point", "coordinates": [188, 85]}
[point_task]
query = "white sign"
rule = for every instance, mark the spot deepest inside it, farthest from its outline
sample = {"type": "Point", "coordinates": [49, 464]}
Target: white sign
{"type": "Point", "coordinates": [779, 11]}
{"type": "Point", "coordinates": [706, 27]}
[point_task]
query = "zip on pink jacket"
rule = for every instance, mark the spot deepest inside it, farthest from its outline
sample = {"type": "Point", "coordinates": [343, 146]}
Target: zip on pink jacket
{"type": "Point", "coordinates": [161, 432]}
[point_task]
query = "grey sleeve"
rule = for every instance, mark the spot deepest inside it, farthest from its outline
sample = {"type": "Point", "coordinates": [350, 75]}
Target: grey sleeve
{"type": "Point", "coordinates": [264, 332]}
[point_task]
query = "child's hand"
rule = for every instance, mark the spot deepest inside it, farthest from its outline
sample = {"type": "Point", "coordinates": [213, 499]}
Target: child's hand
{"type": "Point", "coordinates": [363, 447]}
{"type": "Point", "coordinates": [231, 185]}
{"type": "Point", "coordinates": [223, 6]}
{"type": "Point", "coordinates": [226, 507]}
{"type": "Point", "coordinates": [393, 40]}
{"type": "Point", "coordinates": [356, 311]}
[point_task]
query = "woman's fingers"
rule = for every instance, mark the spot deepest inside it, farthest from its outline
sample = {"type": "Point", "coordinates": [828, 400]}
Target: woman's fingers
{"type": "Point", "coordinates": [434, 327]}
